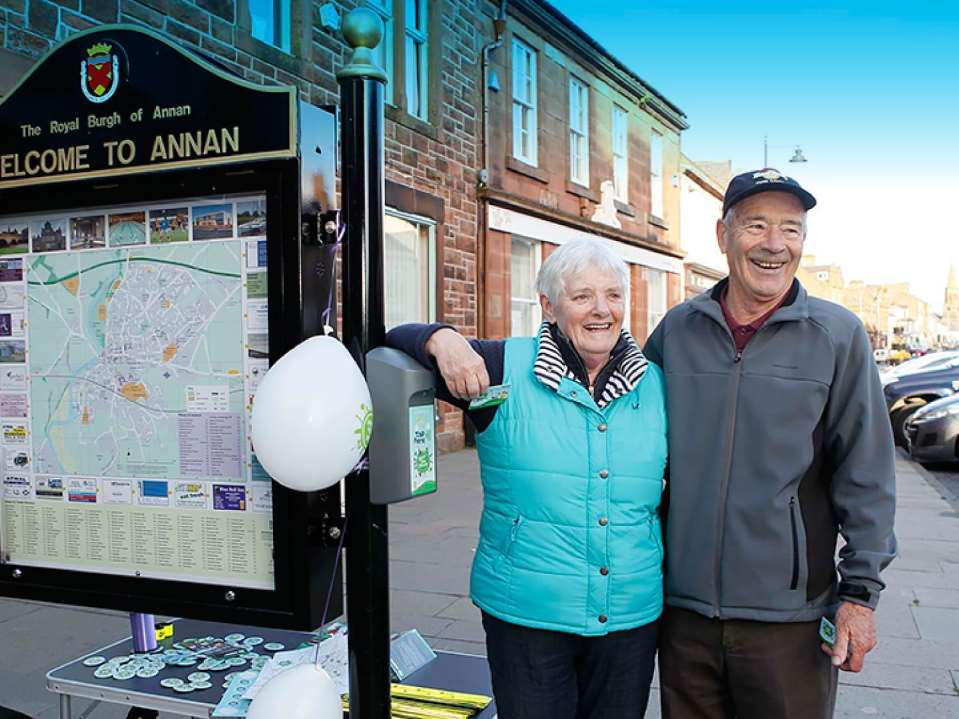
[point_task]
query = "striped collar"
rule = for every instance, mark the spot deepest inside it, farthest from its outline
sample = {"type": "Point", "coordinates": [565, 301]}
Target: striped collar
{"type": "Point", "coordinates": [550, 368]}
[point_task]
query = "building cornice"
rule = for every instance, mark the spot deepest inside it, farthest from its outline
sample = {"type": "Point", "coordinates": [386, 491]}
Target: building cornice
{"type": "Point", "coordinates": [706, 271]}
{"type": "Point", "coordinates": [510, 201]}
{"type": "Point", "coordinates": [704, 182]}
{"type": "Point", "coordinates": [562, 30]}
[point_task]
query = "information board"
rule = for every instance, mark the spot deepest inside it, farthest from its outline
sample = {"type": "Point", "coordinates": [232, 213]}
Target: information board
{"type": "Point", "coordinates": [132, 339]}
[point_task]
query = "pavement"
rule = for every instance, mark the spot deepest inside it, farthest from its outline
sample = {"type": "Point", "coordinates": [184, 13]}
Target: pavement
{"type": "Point", "coordinates": [912, 674]}
{"type": "Point", "coordinates": [945, 478]}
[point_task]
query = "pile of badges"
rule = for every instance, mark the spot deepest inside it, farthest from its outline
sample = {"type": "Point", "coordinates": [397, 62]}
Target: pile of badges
{"type": "Point", "coordinates": [195, 682]}
{"type": "Point", "coordinates": [206, 654]}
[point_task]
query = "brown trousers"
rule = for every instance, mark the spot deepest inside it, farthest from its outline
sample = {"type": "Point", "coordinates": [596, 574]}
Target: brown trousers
{"type": "Point", "coordinates": [713, 669]}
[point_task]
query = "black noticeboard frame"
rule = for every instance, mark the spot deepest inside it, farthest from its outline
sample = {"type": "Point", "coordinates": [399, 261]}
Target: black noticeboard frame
{"type": "Point", "coordinates": [308, 581]}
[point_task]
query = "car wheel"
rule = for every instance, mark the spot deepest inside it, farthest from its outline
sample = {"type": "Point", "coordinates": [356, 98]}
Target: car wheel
{"type": "Point", "coordinates": [899, 418]}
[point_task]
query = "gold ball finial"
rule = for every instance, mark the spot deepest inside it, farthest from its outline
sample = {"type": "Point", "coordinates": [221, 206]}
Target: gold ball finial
{"type": "Point", "coordinates": [362, 30]}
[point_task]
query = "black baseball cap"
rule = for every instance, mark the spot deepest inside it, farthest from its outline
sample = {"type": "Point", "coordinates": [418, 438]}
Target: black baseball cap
{"type": "Point", "coordinates": [765, 180]}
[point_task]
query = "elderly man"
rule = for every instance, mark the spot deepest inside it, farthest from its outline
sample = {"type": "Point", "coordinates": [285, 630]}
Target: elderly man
{"type": "Point", "coordinates": [779, 442]}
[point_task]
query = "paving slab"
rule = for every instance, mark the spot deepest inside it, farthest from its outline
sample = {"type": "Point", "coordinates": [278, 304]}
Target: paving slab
{"type": "Point", "coordinates": [418, 576]}
{"type": "Point", "coordinates": [860, 702]}
{"type": "Point", "coordinates": [14, 608]}
{"type": "Point", "coordinates": [905, 678]}
{"type": "Point", "coordinates": [916, 653]}
{"type": "Point", "coordinates": [427, 626]}
{"type": "Point", "coordinates": [405, 601]}
{"type": "Point", "coordinates": [461, 609]}
{"type": "Point", "coordinates": [937, 623]}
{"type": "Point", "coordinates": [465, 631]}
{"type": "Point", "coordinates": [894, 618]}
{"type": "Point", "coordinates": [927, 597]}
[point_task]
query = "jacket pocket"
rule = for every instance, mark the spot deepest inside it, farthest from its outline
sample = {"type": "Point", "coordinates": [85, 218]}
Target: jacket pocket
{"type": "Point", "coordinates": [799, 573]}
{"type": "Point", "coordinates": [513, 533]}
{"type": "Point", "coordinates": [655, 536]}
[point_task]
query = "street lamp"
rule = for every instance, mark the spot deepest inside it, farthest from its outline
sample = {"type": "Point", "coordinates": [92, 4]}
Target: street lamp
{"type": "Point", "coordinates": [797, 155]}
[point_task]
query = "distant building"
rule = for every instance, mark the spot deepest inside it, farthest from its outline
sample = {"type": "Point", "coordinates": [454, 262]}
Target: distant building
{"type": "Point", "coordinates": [950, 309]}
{"type": "Point", "coordinates": [825, 281]}
{"type": "Point", "coordinates": [701, 205]}
{"type": "Point", "coordinates": [892, 315]}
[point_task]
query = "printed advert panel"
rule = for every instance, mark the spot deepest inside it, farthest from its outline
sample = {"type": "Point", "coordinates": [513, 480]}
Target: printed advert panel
{"type": "Point", "coordinates": [132, 339]}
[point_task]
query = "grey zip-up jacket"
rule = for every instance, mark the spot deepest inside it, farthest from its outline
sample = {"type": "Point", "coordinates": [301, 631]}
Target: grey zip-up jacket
{"type": "Point", "coordinates": [773, 452]}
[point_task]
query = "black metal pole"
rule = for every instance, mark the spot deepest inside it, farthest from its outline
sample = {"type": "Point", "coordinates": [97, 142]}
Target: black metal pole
{"type": "Point", "coordinates": [367, 546]}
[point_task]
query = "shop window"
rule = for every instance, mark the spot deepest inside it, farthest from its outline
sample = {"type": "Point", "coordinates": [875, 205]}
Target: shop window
{"type": "Point", "coordinates": [620, 127]}
{"type": "Point", "coordinates": [655, 297]}
{"type": "Point", "coordinates": [270, 22]}
{"type": "Point", "coordinates": [524, 103]}
{"type": "Point", "coordinates": [409, 266]}
{"type": "Point", "coordinates": [384, 51]}
{"type": "Point", "coordinates": [578, 132]}
{"type": "Point", "coordinates": [524, 265]}
{"type": "Point", "coordinates": [656, 175]}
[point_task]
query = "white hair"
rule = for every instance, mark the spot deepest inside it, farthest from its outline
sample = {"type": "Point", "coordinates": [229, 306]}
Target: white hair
{"type": "Point", "coordinates": [572, 258]}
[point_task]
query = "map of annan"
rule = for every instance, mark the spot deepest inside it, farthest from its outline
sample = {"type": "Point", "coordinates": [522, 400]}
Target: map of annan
{"type": "Point", "coordinates": [120, 344]}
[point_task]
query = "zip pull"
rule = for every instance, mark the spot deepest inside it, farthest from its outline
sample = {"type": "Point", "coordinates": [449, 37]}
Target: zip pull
{"type": "Point", "coordinates": [739, 356]}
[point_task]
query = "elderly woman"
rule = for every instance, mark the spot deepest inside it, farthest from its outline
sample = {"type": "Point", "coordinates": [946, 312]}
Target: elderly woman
{"type": "Point", "coordinates": [568, 571]}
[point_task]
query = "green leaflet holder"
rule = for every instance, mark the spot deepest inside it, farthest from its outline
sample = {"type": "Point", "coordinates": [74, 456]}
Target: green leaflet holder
{"type": "Point", "coordinates": [403, 446]}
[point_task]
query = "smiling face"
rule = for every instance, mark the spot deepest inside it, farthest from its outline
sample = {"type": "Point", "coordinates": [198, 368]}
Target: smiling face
{"type": "Point", "coordinates": [589, 311]}
{"type": "Point", "coordinates": [763, 247]}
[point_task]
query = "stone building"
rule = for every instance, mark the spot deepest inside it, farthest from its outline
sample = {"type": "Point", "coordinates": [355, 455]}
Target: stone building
{"type": "Point", "coordinates": [893, 316]}
{"type": "Point", "coordinates": [702, 188]}
{"type": "Point", "coordinates": [430, 54]}
{"type": "Point", "coordinates": [575, 145]}
{"type": "Point", "coordinates": [595, 150]}
{"type": "Point", "coordinates": [950, 308]}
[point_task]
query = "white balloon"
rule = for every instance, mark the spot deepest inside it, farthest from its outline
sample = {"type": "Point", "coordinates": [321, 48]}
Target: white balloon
{"type": "Point", "coordinates": [303, 692]}
{"type": "Point", "coordinates": [312, 416]}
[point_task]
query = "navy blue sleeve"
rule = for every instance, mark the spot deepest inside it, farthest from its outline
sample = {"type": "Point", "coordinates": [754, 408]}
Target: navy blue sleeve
{"type": "Point", "coordinates": [412, 338]}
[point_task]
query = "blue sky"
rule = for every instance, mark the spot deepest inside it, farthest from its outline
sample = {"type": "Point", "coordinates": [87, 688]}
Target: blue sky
{"type": "Point", "coordinates": [870, 90]}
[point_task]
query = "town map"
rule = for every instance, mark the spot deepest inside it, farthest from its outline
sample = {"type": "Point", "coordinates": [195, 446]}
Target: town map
{"type": "Point", "coordinates": [132, 341]}
{"type": "Point", "coordinates": [136, 362]}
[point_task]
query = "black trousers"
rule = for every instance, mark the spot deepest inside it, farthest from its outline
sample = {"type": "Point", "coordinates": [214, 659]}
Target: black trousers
{"type": "Point", "coordinates": [726, 669]}
{"type": "Point", "coordinates": [540, 674]}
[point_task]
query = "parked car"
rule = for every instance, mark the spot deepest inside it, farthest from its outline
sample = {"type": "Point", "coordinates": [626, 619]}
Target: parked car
{"type": "Point", "coordinates": [933, 430]}
{"type": "Point", "coordinates": [906, 393]}
{"type": "Point", "coordinates": [934, 360]}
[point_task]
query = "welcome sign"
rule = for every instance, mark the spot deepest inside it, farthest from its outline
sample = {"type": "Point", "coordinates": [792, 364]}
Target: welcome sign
{"type": "Point", "coordinates": [111, 101]}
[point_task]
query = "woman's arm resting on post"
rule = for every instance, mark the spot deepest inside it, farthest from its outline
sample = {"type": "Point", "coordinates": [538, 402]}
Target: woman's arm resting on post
{"type": "Point", "coordinates": [462, 368]}
{"type": "Point", "coordinates": [414, 339]}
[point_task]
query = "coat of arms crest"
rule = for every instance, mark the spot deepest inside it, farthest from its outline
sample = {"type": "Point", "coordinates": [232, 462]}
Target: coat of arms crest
{"type": "Point", "coordinates": [99, 73]}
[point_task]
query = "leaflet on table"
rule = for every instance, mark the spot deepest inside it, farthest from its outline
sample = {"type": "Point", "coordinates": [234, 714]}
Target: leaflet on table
{"type": "Point", "coordinates": [280, 662]}
{"type": "Point", "coordinates": [232, 704]}
{"type": "Point", "coordinates": [331, 654]}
